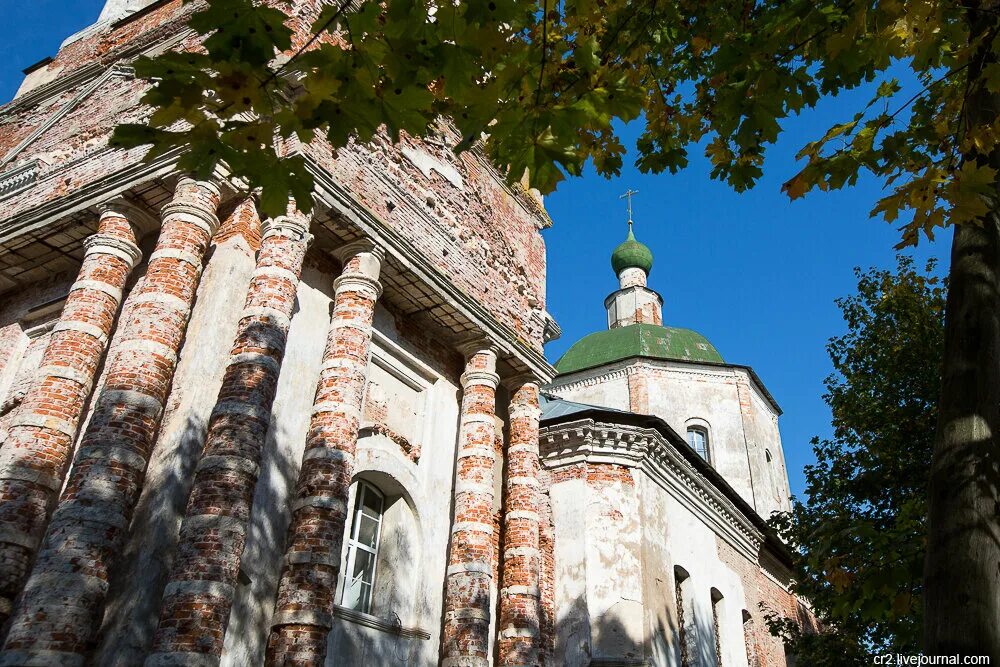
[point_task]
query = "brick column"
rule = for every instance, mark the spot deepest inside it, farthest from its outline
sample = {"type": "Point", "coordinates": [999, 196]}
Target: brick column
{"type": "Point", "coordinates": [302, 617]}
{"type": "Point", "coordinates": [62, 604]}
{"type": "Point", "coordinates": [465, 636]}
{"type": "Point", "coordinates": [519, 624]}
{"type": "Point", "coordinates": [36, 454]}
{"type": "Point", "coordinates": [199, 594]}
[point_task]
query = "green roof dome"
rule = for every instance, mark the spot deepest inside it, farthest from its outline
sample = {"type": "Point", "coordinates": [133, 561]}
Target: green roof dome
{"type": "Point", "coordinates": [637, 340]}
{"type": "Point", "coordinates": [631, 254]}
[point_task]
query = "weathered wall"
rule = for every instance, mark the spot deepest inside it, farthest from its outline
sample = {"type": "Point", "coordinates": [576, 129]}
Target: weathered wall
{"type": "Point", "coordinates": [620, 535]}
{"type": "Point", "coordinates": [766, 585]}
{"type": "Point", "coordinates": [742, 426]}
{"type": "Point", "coordinates": [472, 228]}
{"type": "Point", "coordinates": [20, 353]}
{"type": "Point", "coordinates": [598, 564]}
{"type": "Point", "coordinates": [133, 605]}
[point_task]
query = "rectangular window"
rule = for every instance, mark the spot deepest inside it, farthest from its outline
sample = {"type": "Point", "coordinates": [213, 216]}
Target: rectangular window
{"type": "Point", "coordinates": [362, 548]}
{"type": "Point", "coordinates": [698, 439]}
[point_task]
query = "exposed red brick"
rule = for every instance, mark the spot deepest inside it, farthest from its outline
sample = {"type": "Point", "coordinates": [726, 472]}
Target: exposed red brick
{"type": "Point", "coordinates": [37, 451]}
{"type": "Point", "coordinates": [199, 594]}
{"type": "Point", "coordinates": [547, 574]}
{"type": "Point", "coordinates": [308, 583]}
{"type": "Point", "coordinates": [761, 589]}
{"type": "Point", "coordinates": [465, 636]}
{"type": "Point", "coordinates": [638, 394]}
{"type": "Point", "coordinates": [519, 622]}
{"type": "Point", "coordinates": [62, 601]}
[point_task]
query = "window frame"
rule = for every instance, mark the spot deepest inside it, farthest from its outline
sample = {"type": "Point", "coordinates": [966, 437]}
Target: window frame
{"type": "Point", "coordinates": [703, 431]}
{"type": "Point", "coordinates": [354, 545]}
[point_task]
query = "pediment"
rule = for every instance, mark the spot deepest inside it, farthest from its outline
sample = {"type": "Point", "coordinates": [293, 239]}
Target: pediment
{"type": "Point", "coordinates": [76, 124]}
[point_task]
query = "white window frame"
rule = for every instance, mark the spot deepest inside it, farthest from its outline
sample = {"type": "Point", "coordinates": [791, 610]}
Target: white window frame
{"type": "Point", "coordinates": [354, 545]}
{"type": "Point", "coordinates": [698, 428]}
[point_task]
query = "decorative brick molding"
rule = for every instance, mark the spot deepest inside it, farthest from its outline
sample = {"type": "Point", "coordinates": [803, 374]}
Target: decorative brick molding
{"type": "Point", "coordinates": [465, 637]}
{"type": "Point", "coordinates": [37, 451]}
{"type": "Point", "coordinates": [59, 612]}
{"type": "Point", "coordinates": [567, 445]}
{"type": "Point", "coordinates": [308, 583]}
{"type": "Point", "coordinates": [199, 594]}
{"type": "Point", "coordinates": [520, 622]}
{"type": "Point", "coordinates": [18, 179]}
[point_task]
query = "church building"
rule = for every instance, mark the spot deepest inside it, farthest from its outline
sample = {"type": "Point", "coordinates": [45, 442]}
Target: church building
{"type": "Point", "coordinates": [334, 438]}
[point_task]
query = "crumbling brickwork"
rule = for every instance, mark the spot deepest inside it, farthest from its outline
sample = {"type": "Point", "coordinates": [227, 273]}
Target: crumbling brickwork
{"type": "Point", "coordinates": [38, 446]}
{"type": "Point", "coordinates": [765, 593]}
{"type": "Point", "coordinates": [465, 637]}
{"type": "Point", "coordinates": [309, 580]}
{"type": "Point", "coordinates": [519, 622]}
{"type": "Point", "coordinates": [199, 596]}
{"type": "Point", "coordinates": [90, 523]}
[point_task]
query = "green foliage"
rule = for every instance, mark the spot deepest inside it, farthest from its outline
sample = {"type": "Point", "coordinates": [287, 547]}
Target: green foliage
{"type": "Point", "coordinates": [540, 84]}
{"type": "Point", "coordinates": [859, 538]}
{"type": "Point", "coordinates": [830, 647]}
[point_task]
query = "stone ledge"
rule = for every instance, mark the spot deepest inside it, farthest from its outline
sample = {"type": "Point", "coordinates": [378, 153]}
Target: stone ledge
{"type": "Point", "coordinates": [376, 623]}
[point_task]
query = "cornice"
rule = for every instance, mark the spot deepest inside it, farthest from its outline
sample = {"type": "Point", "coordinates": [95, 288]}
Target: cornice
{"type": "Point", "coordinates": [87, 195]}
{"type": "Point", "coordinates": [631, 365]}
{"type": "Point", "coordinates": [54, 88]}
{"type": "Point", "coordinates": [595, 442]}
{"type": "Point", "coordinates": [113, 71]}
{"type": "Point", "coordinates": [82, 75]}
{"type": "Point", "coordinates": [338, 198]}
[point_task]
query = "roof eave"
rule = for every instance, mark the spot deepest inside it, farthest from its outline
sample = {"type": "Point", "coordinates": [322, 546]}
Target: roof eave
{"type": "Point", "coordinates": [719, 364]}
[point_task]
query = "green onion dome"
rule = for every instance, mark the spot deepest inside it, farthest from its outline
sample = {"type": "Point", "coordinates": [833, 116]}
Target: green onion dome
{"type": "Point", "coordinates": [631, 254]}
{"type": "Point", "coordinates": [638, 340]}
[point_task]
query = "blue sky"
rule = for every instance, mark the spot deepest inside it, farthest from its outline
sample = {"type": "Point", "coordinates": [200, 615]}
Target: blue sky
{"type": "Point", "coordinates": [755, 273]}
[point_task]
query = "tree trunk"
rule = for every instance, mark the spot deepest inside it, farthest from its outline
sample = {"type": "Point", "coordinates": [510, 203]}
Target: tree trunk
{"type": "Point", "coordinates": [962, 568]}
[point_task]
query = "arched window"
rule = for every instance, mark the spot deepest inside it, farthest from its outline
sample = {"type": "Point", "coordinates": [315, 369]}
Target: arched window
{"type": "Point", "coordinates": [750, 639]}
{"type": "Point", "coordinates": [687, 644]}
{"type": "Point", "coordinates": [698, 439]}
{"type": "Point", "coordinates": [772, 474]}
{"type": "Point", "coordinates": [362, 549]}
{"type": "Point", "coordinates": [717, 620]}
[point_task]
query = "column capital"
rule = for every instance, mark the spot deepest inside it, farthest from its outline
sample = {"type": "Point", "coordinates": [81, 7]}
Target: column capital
{"type": "Point", "coordinates": [360, 247]}
{"type": "Point", "coordinates": [191, 208]}
{"type": "Point", "coordinates": [294, 227]}
{"type": "Point", "coordinates": [515, 382]}
{"type": "Point", "coordinates": [362, 276]}
{"type": "Point", "coordinates": [191, 181]}
{"type": "Point", "coordinates": [481, 371]}
{"type": "Point", "coordinates": [106, 244]}
{"type": "Point", "coordinates": [478, 345]}
{"type": "Point", "coordinates": [141, 220]}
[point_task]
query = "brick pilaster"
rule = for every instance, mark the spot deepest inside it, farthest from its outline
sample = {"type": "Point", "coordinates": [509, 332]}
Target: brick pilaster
{"type": "Point", "coordinates": [36, 454]}
{"type": "Point", "coordinates": [61, 607]}
{"type": "Point", "coordinates": [302, 617]}
{"type": "Point", "coordinates": [199, 594]}
{"type": "Point", "coordinates": [519, 625]}
{"type": "Point", "coordinates": [465, 636]}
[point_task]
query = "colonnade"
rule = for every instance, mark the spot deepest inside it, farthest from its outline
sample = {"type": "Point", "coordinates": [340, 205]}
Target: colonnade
{"type": "Point", "coordinates": [61, 538]}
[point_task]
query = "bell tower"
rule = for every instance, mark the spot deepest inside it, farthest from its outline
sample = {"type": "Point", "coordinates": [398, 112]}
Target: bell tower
{"type": "Point", "coordinates": [633, 302]}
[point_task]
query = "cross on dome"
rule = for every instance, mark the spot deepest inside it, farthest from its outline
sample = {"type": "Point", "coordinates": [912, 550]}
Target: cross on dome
{"type": "Point", "coordinates": [628, 195]}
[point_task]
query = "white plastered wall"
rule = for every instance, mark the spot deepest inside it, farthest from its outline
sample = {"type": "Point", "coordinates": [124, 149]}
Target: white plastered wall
{"type": "Point", "coordinates": [742, 424]}
{"type": "Point", "coordinates": [616, 546]}
{"type": "Point", "coordinates": [598, 572]}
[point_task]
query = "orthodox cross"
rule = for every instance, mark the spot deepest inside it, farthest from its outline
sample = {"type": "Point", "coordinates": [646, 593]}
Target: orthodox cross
{"type": "Point", "coordinates": [628, 195]}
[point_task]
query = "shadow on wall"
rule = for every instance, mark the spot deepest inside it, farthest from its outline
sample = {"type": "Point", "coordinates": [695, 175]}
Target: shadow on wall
{"type": "Point", "coordinates": [132, 610]}
{"type": "Point", "coordinates": [260, 569]}
{"type": "Point", "coordinates": [606, 641]}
